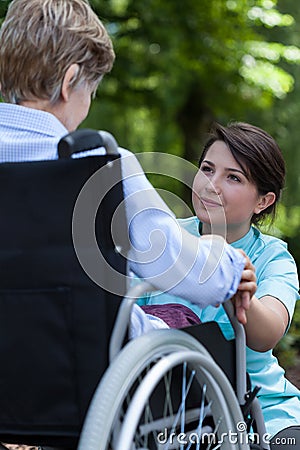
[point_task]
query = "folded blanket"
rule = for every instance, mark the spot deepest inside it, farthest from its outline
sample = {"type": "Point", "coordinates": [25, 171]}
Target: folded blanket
{"type": "Point", "coordinates": [150, 317]}
{"type": "Point", "coordinates": [174, 315]}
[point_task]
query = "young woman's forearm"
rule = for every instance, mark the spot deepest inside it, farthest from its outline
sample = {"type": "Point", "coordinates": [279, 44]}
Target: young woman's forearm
{"type": "Point", "coordinates": [267, 319]}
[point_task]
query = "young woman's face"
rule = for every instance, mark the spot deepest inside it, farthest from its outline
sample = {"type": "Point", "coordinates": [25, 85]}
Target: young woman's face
{"type": "Point", "coordinates": [222, 194]}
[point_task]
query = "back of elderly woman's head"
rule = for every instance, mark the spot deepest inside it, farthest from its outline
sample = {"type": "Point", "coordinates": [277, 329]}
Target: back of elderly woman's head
{"type": "Point", "coordinates": [41, 39]}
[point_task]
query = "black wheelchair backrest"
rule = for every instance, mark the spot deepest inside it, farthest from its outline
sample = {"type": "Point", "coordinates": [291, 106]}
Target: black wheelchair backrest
{"type": "Point", "coordinates": [55, 322]}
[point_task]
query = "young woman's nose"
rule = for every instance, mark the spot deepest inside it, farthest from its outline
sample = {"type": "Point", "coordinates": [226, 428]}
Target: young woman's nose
{"type": "Point", "coordinates": [214, 185]}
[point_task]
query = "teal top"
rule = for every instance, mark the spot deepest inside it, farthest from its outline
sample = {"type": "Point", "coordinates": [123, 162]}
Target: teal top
{"type": "Point", "coordinates": [276, 274]}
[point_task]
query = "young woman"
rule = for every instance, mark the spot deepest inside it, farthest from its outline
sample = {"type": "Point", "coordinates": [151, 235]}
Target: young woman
{"type": "Point", "coordinates": [238, 184]}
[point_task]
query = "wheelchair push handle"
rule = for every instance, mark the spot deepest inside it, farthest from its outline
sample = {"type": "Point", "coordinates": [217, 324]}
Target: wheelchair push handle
{"type": "Point", "coordinates": [84, 140]}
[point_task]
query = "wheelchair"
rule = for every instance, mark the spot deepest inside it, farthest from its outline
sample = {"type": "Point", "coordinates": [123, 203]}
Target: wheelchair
{"type": "Point", "coordinates": [70, 378]}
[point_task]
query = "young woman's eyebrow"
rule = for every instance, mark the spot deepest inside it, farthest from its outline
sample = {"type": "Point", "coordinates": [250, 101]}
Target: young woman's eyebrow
{"type": "Point", "coordinates": [235, 170]}
{"type": "Point", "coordinates": [210, 163]}
{"type": "Point", "coordinates": [228, 169]}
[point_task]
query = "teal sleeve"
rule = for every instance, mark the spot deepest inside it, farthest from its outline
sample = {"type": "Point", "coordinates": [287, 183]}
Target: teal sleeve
{"type": "Point", "coordinates": [278, 276]}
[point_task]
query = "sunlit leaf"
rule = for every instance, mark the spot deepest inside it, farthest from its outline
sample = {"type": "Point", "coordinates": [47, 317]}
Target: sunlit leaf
{"type": "Point", "coordinates": [267, 77]}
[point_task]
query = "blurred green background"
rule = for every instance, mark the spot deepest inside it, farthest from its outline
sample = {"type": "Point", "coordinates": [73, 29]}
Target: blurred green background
{"type": "Point", "coordinates": [182, 65]}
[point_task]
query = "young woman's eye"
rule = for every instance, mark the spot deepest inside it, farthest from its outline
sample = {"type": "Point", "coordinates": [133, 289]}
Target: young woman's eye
{"type": "Point", "coordinates": [234, 178]}
{"type": "Point", "coordinates": [205, 168]}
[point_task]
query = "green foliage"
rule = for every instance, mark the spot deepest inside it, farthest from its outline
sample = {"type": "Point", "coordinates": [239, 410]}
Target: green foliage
{"type": "Point", "coordinates": [210, 61]}
{"type": "Point", "coordinates": [266, 76]}
{"type": "Point", "coordinates": [3, 9]}
{"type": "Point", "coordinates": [265, 12]}
{"type": "Point", "coordinates": [215, 60]}
{"type": "Point", "coordinates": [286, 224]}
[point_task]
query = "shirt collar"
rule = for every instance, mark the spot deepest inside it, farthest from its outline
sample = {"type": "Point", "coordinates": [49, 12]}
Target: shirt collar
{"type": "Point", "coordinates": [243, 242]}
{"type": "Point", "coordinates": [30, 119]}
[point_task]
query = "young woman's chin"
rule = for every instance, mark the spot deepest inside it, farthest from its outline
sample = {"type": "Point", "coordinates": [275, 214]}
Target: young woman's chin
{"type": "Point", "coordinates": [212, 218]}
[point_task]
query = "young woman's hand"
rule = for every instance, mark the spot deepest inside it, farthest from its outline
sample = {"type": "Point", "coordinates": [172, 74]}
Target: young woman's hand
{"type": "Point", "coordinates": [246, 290]}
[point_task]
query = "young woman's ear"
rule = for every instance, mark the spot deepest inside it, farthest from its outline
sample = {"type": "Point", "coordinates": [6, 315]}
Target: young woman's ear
{"type": "Point", "coordinates": [66, 87]}
{"type": "Point", "coordinates": [265, 201]}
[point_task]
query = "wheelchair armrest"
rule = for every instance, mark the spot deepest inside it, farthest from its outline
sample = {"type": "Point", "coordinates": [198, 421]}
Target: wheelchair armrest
{"type": "Point", "coordinates": [123, 318]}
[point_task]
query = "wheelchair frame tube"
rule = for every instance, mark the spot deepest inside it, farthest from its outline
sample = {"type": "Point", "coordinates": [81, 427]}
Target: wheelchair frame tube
{"type": "Point", "coordinates": [240, 345]}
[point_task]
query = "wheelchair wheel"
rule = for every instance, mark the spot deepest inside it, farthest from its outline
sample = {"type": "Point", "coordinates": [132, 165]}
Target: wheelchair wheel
{"type": "Point", "coordinates": [191, 390]}
{"type": "Point", "coordinates": [206, 414]}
